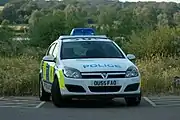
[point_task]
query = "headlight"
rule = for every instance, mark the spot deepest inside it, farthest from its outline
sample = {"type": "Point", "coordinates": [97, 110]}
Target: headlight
{"type": "Point", "coordinates": [132, 72]}
{"type": "Point", "coordinates": [71, 72]}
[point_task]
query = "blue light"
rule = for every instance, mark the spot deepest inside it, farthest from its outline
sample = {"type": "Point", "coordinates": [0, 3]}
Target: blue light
{"type": "Point", "coordinates": [82, 31]}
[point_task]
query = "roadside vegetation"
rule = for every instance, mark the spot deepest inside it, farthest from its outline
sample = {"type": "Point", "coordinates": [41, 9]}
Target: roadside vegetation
{"type": "Point", "coordinates": [149, 30]}
{"type": "Point", "coordinates": [1, 8]}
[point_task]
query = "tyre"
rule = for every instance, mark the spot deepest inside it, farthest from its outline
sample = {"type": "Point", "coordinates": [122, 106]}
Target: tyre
{"type": "Point", "coordinates": [133, 101]}
{"type": "Point", "coordinates": [56, 94]}
{"type": "Point", "coordinates": [43, 95]}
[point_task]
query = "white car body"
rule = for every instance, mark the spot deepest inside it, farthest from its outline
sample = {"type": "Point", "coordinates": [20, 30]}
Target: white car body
{"type": "Point", "coordinates": [94, 67]}
{"type": "Point", "coordinates": [106, 77]}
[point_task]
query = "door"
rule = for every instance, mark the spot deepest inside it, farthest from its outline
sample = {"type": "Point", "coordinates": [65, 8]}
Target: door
{"type": "Point", "coordinates": [51, 65]}
{"type": "Point", "coordinates": [48, 68]}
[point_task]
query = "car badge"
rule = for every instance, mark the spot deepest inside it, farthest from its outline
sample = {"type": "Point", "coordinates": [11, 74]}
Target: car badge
{"type": "Point", "coordinates": [104, 75]}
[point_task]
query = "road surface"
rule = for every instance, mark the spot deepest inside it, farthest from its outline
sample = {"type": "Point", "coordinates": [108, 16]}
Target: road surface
{"type": "Point", "coordinates": [30, 108]}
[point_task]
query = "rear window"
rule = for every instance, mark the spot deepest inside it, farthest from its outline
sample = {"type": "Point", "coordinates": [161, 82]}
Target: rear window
{"type": "Point", "coordinates": [90, 49]}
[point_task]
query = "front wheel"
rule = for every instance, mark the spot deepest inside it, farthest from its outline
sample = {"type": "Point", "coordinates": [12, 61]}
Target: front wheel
{"type": "Point", "coordinates": [56, 94]}
{"type": "Point", "coordinates": [133, 101]}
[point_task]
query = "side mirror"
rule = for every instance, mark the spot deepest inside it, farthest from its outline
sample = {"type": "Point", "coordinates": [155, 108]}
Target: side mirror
{"type": "Point", "coordinates": [131, 57]}
{"type": "Point", "coordinates": [49, 59]}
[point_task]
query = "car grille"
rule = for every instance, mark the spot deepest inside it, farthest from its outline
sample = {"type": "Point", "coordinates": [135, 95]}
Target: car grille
{"type": "Point", "coordinates": [104, 88]}
{"type": "Point", "coordinates": [99, 75]}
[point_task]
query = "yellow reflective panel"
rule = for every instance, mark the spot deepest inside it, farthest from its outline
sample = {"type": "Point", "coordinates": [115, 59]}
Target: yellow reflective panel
{"type": "Point", "coordinates": [61, 83]}
{"type": "Point", "coordinates": [51, 73]}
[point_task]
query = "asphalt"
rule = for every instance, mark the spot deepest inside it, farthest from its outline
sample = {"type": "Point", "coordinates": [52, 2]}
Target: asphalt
{"type": "Point", "coordinates": [30, 108]}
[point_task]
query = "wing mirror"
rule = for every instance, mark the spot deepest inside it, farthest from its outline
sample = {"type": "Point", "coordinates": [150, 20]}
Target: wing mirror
{"type": "Point", "coordinates": [131, 57]}
{"type": "Point", "coordinates": [49, 59]}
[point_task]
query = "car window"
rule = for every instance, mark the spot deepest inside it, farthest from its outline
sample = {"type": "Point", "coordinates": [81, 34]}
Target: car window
{"type": "Point", "coordinates": [55, 52]}
{"type": "Point", "coordinates": [50, 50]}
{"type": "Point", "coordinates": [90, 49]}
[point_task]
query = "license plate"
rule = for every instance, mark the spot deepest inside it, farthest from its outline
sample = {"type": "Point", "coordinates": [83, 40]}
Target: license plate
{"type": "Point", "coordinates": [104, 83]}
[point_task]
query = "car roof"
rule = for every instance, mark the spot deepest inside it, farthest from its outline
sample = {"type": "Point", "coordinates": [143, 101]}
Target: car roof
{"type": "Point", "coordinates": [84, 38]}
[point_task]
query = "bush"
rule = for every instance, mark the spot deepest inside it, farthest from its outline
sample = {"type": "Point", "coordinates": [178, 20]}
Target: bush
{"type": "Point", "coordinates": [46, 30]}
{"type": "Point", "coordinates": [5, 22]}
{"type": "Point", "coordinates": [6, 44]}
{"type": "Point", "coordinates": [5, 34]}
{"type": "Point", "coordinates": [158, 73]}
{"type": "Point", "coordinates": [163, 41]}
{"type": "Point", "coordinates": [19, 75]}
{"type": "Point", "coordinates": [11, 48]}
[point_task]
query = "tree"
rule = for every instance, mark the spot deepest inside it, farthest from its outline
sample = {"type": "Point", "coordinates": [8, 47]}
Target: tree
{"type": "Point", "coordinates": [35, 17]}
{"type": "Point", "coordinates": [74, 17]}
{"type": "Point", "coordinates": [162, 19]}
{"type": "Point", "coordinates": [46, 30]}
{"type": "Point", "coordinates": [176, 18]}
{"type": "Point", "coordinates": [6, 43]}
{"type": "Point", "coordinates": [5, 22]}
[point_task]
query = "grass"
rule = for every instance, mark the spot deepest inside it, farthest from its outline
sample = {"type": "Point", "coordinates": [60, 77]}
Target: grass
{"type": "Point", "coordinates": [19, 75]}
{"type": "Point", "coordinates": [158, 74]}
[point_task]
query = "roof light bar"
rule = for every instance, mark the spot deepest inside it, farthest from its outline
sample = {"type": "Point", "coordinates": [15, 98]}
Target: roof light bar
{"type": "Point", "coordinates": [83, 37]}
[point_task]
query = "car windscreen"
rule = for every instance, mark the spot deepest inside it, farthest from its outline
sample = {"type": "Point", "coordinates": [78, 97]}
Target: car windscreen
{"type": "Point", "coordinates": [90, 49]}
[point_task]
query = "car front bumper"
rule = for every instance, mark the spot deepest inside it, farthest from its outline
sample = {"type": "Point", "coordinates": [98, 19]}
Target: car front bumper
{"type": "Point", "coordinates": [125, 87]}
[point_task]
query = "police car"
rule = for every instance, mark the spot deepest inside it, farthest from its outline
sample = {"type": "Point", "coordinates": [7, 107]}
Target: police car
{"type": "Point", "coordinates": [88, 67]}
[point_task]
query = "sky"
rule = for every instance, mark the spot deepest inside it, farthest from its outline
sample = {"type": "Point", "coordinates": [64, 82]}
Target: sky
{"type": "Point", "coordinates": [177, 1]}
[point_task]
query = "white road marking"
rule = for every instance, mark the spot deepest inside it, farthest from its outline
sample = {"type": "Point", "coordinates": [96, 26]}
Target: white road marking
{"type": "Point", "coordinates": [25, 98]}
{"type": "Point", "coordinates": [149, 101]}
{"type": "Point", "coordinates": [177, 105]}
{"type": "Point", "coordinates": [20, 104]}
{"type": "Point", "coordinates": [14, 102]}
{"type": "Point", "coordinates": [167, 102]}
{"type": "Point", "coordinates": [39, 105]}
{"type": "Point", "coordinates": [1, 98]}
{"type": "Point", "coordinates": [3, 106]}
{"type": "Point", "coordinates": [20, 100]}
{"type": "Point", "coordinates": [4, 99]}
{"type": "Point", "coordinates": [165, 99]}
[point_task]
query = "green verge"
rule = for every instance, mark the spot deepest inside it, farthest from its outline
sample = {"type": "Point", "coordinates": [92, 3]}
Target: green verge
{"type": "Point", "coordinates": [19, 75]}
{"type": "Point", "coordinates": [157, 75]}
